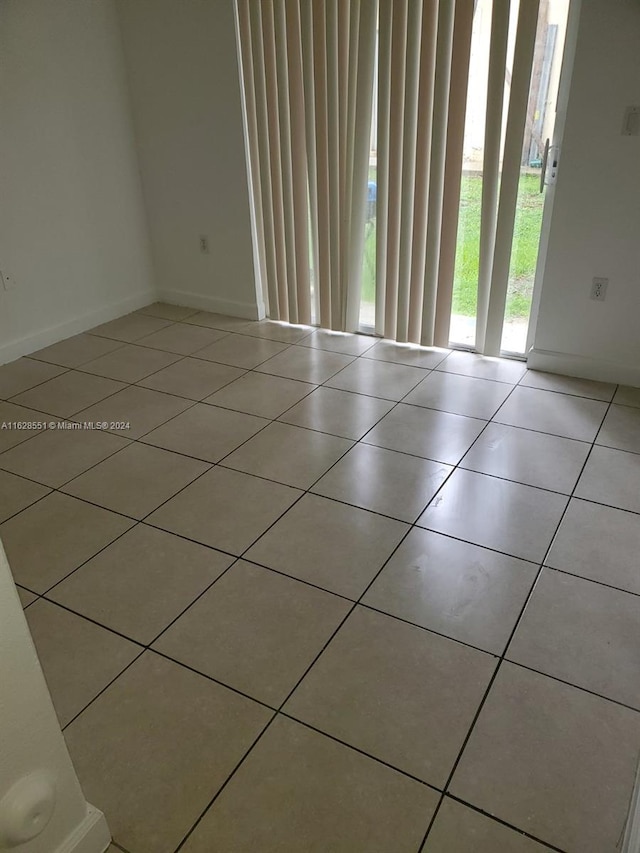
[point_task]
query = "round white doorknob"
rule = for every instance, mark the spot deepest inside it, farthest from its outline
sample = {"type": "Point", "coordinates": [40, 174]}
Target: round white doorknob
{"type": "Point", "coordinates": [26, 808]}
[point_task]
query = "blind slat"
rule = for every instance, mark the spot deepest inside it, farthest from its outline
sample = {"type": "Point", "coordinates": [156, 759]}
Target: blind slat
{"type": "Point", "coordinates": [491, 162]}
{"type": "Point", "coordinates": [396, 126]}
{"type": "Point", "coordinates": [514, 137]}
{"type": "Point", "coordinates": [460, 57]}
{"type": "Point", "coordinates": [382, 169]}
{"type": "Point", "coordinates": [275, 162]}
{"type": "Point", "coordinates": [298, 159]}
{"type": "Point", "coordinates": [360, 166]}
{"type": "Point", "coordinates": [264, 146]}
{"type": "Point", "coordinates": [438, 154]}
{"type": "Point", "coordinates": [409, 145]}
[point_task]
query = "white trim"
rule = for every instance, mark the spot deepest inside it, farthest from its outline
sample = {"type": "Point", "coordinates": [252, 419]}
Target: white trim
{"type": "Point", "coordinates": [247, 310]}
{"type": "Point", "coordinates": [51, 335]}
{"type": "Point", "coordinates": [562, 101]}
{"type": "Point", "coordinates": [631, 841]}
{"type": "Point", "coordinates": [584, 367]}
{"type": "Point", "coordinates": [91, 836]}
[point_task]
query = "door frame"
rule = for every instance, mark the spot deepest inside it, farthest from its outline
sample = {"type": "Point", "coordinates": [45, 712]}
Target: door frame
{"type": "Point", "coordinates": [564, 91]}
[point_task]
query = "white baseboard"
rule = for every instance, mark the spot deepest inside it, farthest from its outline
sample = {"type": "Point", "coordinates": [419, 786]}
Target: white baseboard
{"type": "Point", "coordinates": [583, 367]}
{"type": "Point", "coordinates": [53, 334]}
{"type": "Point", "coordinates": [91, 836]}
{"type": "Point", "coordinates": [247, 310]}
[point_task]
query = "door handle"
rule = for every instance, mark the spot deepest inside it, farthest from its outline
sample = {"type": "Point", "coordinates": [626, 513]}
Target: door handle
{"type": "Point", "coordinates": [549, 165]}
{"type": "Point", "coordinates": [545, 160]}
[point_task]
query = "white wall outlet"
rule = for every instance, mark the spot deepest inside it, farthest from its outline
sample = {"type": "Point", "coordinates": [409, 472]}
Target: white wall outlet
{"type": "Point", "coordinates": [631, 122]}
{"type": "Point", "coordinates": [599, 289]}
{"type": "Point", "coordinates": [8, 281]}
{"type": "Point", "coordinates": [204, 244]}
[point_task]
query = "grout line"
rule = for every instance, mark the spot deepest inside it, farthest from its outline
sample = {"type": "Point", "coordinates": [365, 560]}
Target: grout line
{"type": "Point", "coordinates": [357, 749]}
{"type": "Point", "coordinates": [410, 528]}
{"type": "Point", "coordinates": [313, 662]}
{"type": "Point", "coordinates": [119, 846]}
{"type": "Point", "coordinates": [104, 689]}
{"type": "Point", "coordinates": [506, 648]}
{"type": "Point", "coordinates": [504, 823]}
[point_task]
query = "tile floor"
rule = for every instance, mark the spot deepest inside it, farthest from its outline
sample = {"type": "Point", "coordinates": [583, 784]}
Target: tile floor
{"type": "Point", "coordinates": [313, 592]}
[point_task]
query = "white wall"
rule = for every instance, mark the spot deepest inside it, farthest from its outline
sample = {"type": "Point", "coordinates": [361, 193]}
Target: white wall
{"type": "Point", "coordinates": [185, 89]}
{"type": "Point", "coordinates": [72, 223]}
{"type": "Point", "coordinates": [595, 226]}
{"type": "Point", "coordinates": [31, 741]}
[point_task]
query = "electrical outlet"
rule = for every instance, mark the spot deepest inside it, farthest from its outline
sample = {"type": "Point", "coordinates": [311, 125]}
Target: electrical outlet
{"type": "Point", "coordinates": [204, 244]}
{"type": "Point", "coordinates": [599, 289]}
{"type": "Point", "coordinates": [8, 281]}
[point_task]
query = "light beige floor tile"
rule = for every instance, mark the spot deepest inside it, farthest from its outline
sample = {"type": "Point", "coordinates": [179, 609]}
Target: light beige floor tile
{"type": "Point", "coordinates": [339, 342]}
{"type": "Point", "coordinates": [599, 543]}
{"type": "Point", "coordinates": [153, 750]}
{"type": "Point", "coordinates": [583, 633]}
{"type": "Point", "coordinates": [568, 385]}
{"type": "Point", "coordinates": [129, 363]}
{"type": "Point", "coordinates": [220, 321]}
{"type": "Point", "coordinates": [552, 760]}
{"type": "Point", "coordinates": [378, 379]}
{"type": "Point", "coordinates": [277, 331]}
{"type": "Point", "coordinates": [72, 352]}
{"type": "Point", "coordinates": [627, 396]}
{"type": "Point", "coordinates": [25, 373]}
{"type": "Point", "coordinates": [484, 367]}
{"type": "Point", "coordinates": [395, 691]}
{"type": "Point", "coordinates": [241, 351]}
{"type": "Point", "coordinates": [26, 597]}
{"type": "Point", "coordinates": [166, 311]}
{"type": "Point", "coordinates": [78, 658]}
{"type": "Point", "coordinates": [141, 582]}
{"type": "Point", "coordinates": [255, 630]}
{"type": "Point", "coordinates": [611, 477]}
{"type": "Point", "coordinates": [260, 394]}
{"type": "Point", "coordinates": [305, 364]}
{"type": "Point", "coordinates": [16, 494]}
{"type": "Point", "coordinates": [17, 424]}
{"type": "Point", "coordinates": [130, 328]}
{"type": "Point", "coordinates": [182, 338]}
{"type": "Point", "coordinates": [336, 547]}
{"type": "Point", "coordinates": [56, 535]}
{"type": "Point", "coordinates": [460, 395]}
{"type": "Point", "coordinates": [192, 378]}
{"type": "Point", "coordinates": [348, 803]}
{"type": "Point", "coordinates": [460, 590]}
{"type": "Point", "coordinates": [533, 458]}
{"type": "Point", "coordinates": [338, 412]}
{"type": "Point", "coordinates": [288, 454]}
{"type": "Point", "coordinates": [136, 480]}
{"type": "Point", "coordinates": [459, 829]}
{"type": "Point", "coordinates": [69, 393]}
{"type": "Point", "coordinates": [409, 354]}
{"type": "Point", "coordinates": [426, 432]}
{"type": "Point", "coordinates": [508, 517]}
{"type": "Point", "coordinates": [206, 432]}
{"type": "Point", "coordinates": [135, 411]}
{"type": "Point", "coordinates": [547, 411]}
{"type": "Point", "coordinates": [225, 509]}
{"type": "Point", "coordinates": [58, 455]}
{"type": "Point", "coordinates": [384, 481]}
{"type": "Point", "coordinates": [621, 429]}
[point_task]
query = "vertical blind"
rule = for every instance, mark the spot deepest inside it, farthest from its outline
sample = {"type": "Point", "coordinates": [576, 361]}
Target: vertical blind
{"type": "Point", "coordinates": [308, 69]}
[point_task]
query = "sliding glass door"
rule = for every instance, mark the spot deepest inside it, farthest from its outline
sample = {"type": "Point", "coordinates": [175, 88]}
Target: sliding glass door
{"type": "Point", "coordinates": [396, 150]}
{"type": "Point", "coordinates": [539, 126]}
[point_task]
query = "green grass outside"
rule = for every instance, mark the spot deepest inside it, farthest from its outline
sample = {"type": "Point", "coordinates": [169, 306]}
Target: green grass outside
{"type": "Point", "coordinates": [465, 289]}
